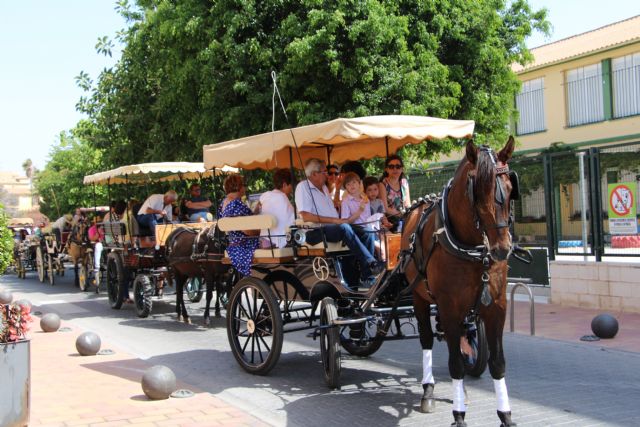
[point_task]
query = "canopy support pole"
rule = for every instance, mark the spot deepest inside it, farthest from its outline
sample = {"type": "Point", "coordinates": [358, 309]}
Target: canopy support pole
{"type": "Point", "coordinates": [386, 145]}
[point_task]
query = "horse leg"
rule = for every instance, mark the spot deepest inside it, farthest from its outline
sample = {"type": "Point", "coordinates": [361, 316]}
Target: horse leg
{"type": "Point", "coordinates": [453, 331]}
{"type": "Point", "coordinates": [422, 312]}
{"type": "Point", "coordinates": [209, 280]}
{"type": "Point", "coordinates": [181, 309]}
{"type": "Point", "coordinates": [76, 279]}
{"type": "Point", "coordinates": [494, 326]}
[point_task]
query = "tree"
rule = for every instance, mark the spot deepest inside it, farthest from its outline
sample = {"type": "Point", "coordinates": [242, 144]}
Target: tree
{"type": "Point", "coordinates": [6, 241]}
{"type": "Point", "coordinates": [60, 184]}
{"type": "Point", "coordinates": [196, 72]}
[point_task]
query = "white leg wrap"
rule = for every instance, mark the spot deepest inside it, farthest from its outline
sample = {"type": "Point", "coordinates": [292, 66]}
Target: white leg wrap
{"type": "Point", "coordinates": [97, 253]}
{"type": "Point", "coordinates": [458, 396]}
{"type": "Point", "coordinates": [427, 363]}
{"type": "Point", "coordinates": [500, 386]}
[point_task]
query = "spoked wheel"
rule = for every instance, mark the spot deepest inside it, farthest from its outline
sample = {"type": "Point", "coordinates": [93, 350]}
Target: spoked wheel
{"type": "Point", "coordinates": [50, 270]}
{"type": "Point", "coordinates": [142, 293]}
{"type": "Point", "coordinates": [290, 293]}
{"type": "Point", "coordinates": [84, 272]}
{"type": "Point", "coordinates": [193, 287]}
{"type": "Point", "coordinates": [330, 343]}
{"type": "Point", "coordinates": [476, 335]}
{"type": "Point", "coordinates": [40, 264]}
{"type": "Point", "coordinates": [254, 326]}
{"type": "Point", "coordinates": [117, 286]}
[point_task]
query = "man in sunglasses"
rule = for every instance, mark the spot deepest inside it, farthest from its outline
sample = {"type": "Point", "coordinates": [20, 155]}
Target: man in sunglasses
{"type": "Point", "coordinates": [314, 204]}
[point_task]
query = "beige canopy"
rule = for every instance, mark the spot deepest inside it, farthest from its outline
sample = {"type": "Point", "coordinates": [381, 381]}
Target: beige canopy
{"type": "Point", "coordinates": [21, 222]}
{"type": "Point", "coordinates": [147, 172]}
{"type": "Point", "coordinates": [338, 140]}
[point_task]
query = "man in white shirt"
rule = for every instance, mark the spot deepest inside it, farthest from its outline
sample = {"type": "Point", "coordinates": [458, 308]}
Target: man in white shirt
{"type": "Point", "coordinates": [276, 203]}
{"type": "Point", "coordinates": [314, 204]}
{"type": "Point", "coordinates": [156, 208]}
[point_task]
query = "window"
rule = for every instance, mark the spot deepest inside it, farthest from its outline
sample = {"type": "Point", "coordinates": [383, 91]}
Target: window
{"type": "Point", "coordinates": [530, 105]}
{"type": "Point", "coordinates": [626, 85]}
{"type": "Point", "coordinates": [584, 95]}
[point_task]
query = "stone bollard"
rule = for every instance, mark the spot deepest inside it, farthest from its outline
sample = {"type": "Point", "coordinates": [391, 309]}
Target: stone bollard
{"type": "Point", "coordinates": [158, 382]}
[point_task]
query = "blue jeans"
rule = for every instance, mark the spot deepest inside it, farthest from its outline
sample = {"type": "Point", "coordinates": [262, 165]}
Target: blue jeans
{"type": "Point", "coordinates": [195, 217]}
{"type": "Point", "coordinates": [149, 221]}
{"type": "Point", "coordinates": [361, 243]}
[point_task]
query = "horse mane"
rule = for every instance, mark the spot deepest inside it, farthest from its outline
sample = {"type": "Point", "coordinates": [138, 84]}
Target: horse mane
{"type": "Point", "coordinates": [485, 176]}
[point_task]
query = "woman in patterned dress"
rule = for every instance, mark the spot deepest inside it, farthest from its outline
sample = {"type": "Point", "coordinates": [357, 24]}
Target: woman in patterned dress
{"type": "Point", "coordinates": [241, 245]}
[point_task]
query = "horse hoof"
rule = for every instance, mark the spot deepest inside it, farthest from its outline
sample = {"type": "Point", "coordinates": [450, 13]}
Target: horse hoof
{"type": "Point", "coordinates": [458, 419]}
{"type": "Point", "coordinates": [427, 406]}
{"type": "Point", "coordinates": [206, 322]}
{"type": "Point", "coordinates": [427, 403]}
{"type": "Point", "coordinates": [187, 320]}
{"type": "Point", "coordinates": [218, 314]}
{"type": "Point", "coordinates": [505, 419]}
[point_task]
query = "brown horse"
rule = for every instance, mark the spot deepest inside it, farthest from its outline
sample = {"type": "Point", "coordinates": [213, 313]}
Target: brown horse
{"type": "Point", "coordinates": [76, 247]}
{"type": "Point", "coordinates": [198, 253]}
{"type": "Point", "coordinates": [458, 250]}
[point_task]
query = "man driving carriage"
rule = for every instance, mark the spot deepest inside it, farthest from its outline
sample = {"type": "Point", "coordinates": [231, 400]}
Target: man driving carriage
{"type": "Point", "coordinates": [61, 224]}
{"type": "Point", "coordinates": [315, 205]}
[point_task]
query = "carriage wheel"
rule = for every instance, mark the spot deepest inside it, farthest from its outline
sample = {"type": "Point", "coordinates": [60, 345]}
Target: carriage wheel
{"type": "Point", "coordinates": [254, 326]}
{"type": "Point", "coordinates": [330, 343]}
{"type": "Point", "coordinates": [101, 276]}
{"type": "Point", "coordinates": [288, 290]}
{"type": "Point", "coordinates": [361, 340]}
{"type": "Point", "coordinates": [50, 270]}
{"type": "Point", "coordinates": [117, 286]}
{"type": "Point", "coordinates": [193, 287]}
{"type": "Point", "coordinates": [142, 293]}
{"type": "Point", "coordinates": [477, 336]}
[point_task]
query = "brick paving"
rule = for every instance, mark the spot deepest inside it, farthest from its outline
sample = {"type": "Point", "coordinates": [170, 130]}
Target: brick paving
{"type": "Point", "coordinates": [104, 390]}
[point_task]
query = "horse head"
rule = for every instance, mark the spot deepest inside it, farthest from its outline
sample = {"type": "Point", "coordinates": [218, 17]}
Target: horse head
{"type": "Point", "coordinates": [490, 187]}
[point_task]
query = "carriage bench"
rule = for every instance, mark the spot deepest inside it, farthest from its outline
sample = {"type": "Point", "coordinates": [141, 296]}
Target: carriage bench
{"type": "Point", "coordinates": [117, 231]}
{"type": "Point", "coordinates": [256, 222]}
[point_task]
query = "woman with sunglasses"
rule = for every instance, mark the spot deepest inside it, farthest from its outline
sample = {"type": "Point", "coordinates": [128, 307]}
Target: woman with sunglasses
{"type": "Point", "coordinates": [394, 187]}
{"type": "Point", "coordinates": [334, 184]}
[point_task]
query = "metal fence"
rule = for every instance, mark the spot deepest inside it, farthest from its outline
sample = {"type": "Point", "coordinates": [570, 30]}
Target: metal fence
{"type": "Point", "coordinates": [565, 199]}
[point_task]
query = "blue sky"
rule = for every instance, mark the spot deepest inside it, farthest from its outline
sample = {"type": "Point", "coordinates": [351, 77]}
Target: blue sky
{"type": "Point", "coordinates": [44, 44]}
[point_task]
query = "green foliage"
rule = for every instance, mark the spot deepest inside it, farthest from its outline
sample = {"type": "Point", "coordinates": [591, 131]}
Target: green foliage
{"type": "Point", "coordinates": [6, 241]}
{"type": "Point", "coordinates": [197, 72]}
{"type": "Point", "coordinates": [60, 185]}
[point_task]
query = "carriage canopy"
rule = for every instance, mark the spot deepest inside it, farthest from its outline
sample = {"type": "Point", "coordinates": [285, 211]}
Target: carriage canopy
{"type": "Point", "coordinates": [20, 222]}
{"type": "Point", "coordinates": [148, 172]}
{"type": "Point", "coordinates": [337, 140]}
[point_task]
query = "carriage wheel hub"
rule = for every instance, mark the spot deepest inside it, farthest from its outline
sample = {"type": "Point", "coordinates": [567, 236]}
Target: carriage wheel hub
{"type": "Point", "coordinates": [251, 326]}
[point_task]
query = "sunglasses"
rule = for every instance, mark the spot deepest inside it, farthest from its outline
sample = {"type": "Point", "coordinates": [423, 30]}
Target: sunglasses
{"type": "Point", "coordinates": [394, 166]}
{"type": "Point", "coordinates": [333, 173]}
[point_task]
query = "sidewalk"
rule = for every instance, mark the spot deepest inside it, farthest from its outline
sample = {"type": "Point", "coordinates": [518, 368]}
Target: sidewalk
{"type": "Point", "coordinates": [71, 390]}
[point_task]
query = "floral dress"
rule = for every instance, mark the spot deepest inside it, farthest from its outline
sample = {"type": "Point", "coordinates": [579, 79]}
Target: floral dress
{"type": "Point", "coordinates": [241, 246]}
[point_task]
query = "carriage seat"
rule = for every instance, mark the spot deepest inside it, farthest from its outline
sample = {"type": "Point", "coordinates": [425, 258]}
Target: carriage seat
{"type": "Point", "coordinates": [318, 249]}
{"type": "Point", "coordinates": [256, 222]}
{"type": "Point", "coordinates": [138, 230]}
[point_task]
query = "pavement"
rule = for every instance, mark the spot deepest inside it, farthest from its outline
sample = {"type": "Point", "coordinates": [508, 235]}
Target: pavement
{"type": "Point", "coordinates": [105, 390]}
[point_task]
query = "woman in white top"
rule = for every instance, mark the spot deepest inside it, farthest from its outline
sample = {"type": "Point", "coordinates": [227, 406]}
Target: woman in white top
{"type": "Point", "coordinates": [276, 202]}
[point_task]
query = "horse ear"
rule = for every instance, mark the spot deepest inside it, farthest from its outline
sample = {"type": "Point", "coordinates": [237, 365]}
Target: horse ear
{"type": "Point", "coordinates": [472, 152]}
{"type": "Point", "coordinates": [505, 154]}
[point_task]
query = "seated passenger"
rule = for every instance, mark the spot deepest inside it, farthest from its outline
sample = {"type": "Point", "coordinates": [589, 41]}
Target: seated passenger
{"type": "Point", "coordinates": [197, 206]}
{"type": "Point", "coordinates": [96, 236]}
{"type": "Point", "coordinates": [241, 246]}
{"type": "Point", "coordinates": [115, 214]}
{"type": "Point", "coordinates": [355, 207]}
{"type": "Point", "coordinates": [315, 205]}
{"type": "Point", "coordinates": [276, 202]}
{"type": "Point", "coordinates": [61, 224]}
{"type": "Point", "coordinates": [156, 208]}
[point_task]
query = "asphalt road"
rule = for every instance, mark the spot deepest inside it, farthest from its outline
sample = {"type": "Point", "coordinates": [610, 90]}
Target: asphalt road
{"type": "Point", "coordinates": [549, 382]}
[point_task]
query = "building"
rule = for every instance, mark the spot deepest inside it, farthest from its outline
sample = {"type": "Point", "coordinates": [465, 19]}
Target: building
{"type": "Point", "coordinates": [16, 195]}
{"type": "Point", "coordinates": [583, 90]}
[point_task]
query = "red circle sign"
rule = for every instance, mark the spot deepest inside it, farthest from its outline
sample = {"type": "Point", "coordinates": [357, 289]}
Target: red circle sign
{"type": "Point", "coordinates": [621, 200]}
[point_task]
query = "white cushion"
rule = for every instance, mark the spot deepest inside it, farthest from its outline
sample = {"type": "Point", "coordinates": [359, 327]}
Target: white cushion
{"type": "Point", "coordinates": [249, 222]}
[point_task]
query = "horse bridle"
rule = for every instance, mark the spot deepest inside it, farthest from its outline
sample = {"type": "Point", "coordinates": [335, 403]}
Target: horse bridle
{"type": "Point", "coordinates": [500, 195]}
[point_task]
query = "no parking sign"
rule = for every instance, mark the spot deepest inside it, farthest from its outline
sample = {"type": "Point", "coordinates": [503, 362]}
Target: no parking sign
{"type": "Point", "coordinates": [622, 208]}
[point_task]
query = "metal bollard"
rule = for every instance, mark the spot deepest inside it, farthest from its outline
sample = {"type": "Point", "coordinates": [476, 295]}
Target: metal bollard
{"type": "Point", "coordinates": [531, 304]}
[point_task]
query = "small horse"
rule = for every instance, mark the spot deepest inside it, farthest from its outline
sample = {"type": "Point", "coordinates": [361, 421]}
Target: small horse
{"type": "Point", "coordinates": [197, 253]}
{"type": "Point", "coordinates": [456, 254]}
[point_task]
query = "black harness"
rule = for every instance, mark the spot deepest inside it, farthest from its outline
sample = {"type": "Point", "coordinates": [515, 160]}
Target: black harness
{"type": "Point", "coordinates": [445, 236]}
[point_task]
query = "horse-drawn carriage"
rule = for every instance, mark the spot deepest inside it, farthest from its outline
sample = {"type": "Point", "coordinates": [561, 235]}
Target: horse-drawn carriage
{"type": "Point", "coordinates": [134, 255]}
{"type": "Point", "coordinates": [450, 261]}
{"type": "Point", "coordinates": [25, 244]}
